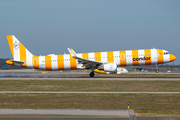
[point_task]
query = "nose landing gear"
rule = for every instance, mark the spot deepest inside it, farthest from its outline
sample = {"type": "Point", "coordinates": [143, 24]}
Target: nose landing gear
{"type": "Point", "coordinates": [157, 71]}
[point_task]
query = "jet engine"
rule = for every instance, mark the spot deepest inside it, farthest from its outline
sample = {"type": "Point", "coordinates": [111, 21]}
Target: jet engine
{"type": "Point", "coordinates": [120, 70]}
{"type": "Point", "coordinates": [110, 67]}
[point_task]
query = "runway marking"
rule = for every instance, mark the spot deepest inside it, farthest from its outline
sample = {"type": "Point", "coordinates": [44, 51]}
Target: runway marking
{"type": "Point", "coordinates": [64, 116]}
{"type": "Point", "coordinates": [84, 92]}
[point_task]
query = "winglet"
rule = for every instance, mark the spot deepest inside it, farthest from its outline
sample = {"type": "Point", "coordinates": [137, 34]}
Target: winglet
{"type": "Point", "coordinates": [71, 51]}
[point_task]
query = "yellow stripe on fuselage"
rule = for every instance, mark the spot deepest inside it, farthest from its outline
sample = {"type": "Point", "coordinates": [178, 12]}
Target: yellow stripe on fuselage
{"type": "Point", "coordinates": [135, 57]}
{"type": "Point", "coordinates": [147, 53]}
{"type": "Point", "coordinates": [85, 55]}
{"type": "Point", "coordinates": [97, 56]}
{"type": "Point", "coordinates": [160, 56]}
{"type": "Point", "coordinates": [35, 62]}
{"type": "Point", "coordinates": [73, 63]}
{"type": "Point", "coordinates": [48, 64]}
{"type": "Point", "coordinates": [110, 57]}
{"type": "Point", "coordinates": [122, 55]}
{"type": "Point", "coordinates": [60, 62]}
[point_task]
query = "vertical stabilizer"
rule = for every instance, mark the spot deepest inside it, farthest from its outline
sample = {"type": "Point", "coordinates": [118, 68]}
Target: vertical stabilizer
{"type": "Point", "coordinates": [18, 51]}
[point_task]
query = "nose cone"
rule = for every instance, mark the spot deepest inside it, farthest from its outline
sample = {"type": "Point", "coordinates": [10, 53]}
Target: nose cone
{"type": "Point", "coordinates": [172, 58]}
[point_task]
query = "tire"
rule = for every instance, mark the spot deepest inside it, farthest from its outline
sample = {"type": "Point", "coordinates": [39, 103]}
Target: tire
{"type": "Point", "coordinates": [157, 71]}
{"type": "Point", "coordinates": [91, 74]}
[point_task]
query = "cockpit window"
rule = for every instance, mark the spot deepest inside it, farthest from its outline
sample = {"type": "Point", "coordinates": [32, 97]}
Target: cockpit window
{"type": "Point", "coordinates": [166, 53]}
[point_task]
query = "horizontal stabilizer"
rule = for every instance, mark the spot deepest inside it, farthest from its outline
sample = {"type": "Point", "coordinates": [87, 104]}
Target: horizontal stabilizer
{"type": "Point", "coordinates": [12, 62]}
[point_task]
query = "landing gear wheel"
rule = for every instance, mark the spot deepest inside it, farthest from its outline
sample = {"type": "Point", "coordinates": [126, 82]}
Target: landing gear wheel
{"type": "Point", "coordinates": [157, 71]}
{"type": "Point", "coordinates": [91, 74]}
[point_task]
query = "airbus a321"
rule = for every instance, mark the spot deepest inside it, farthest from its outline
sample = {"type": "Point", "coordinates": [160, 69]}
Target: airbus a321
{"type": "Point", "coordinates": [99, 62]}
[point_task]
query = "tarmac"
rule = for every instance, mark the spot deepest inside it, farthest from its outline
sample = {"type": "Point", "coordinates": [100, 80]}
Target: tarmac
{"type": "Point", "coordinates": [75, 114]}
{"type": "Point", "coordinates": [88, 78]}
{"type": "Point", "coordinates": [67, 113]}
{"type": "Point", "coordinates": [70, 71]}
{"type": "Point", "coordinates": [29, 74]}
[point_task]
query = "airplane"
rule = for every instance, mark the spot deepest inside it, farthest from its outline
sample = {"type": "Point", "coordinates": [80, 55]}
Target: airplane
{"type": "Point", "coordinates": [99, 62]}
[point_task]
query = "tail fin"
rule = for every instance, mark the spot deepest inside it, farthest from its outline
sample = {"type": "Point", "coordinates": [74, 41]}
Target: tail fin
{"type": "Point", "coordinates": [18, 51]}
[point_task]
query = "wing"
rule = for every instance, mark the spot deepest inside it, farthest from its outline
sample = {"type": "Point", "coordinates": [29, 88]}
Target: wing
{"type": "Point", "coordinates": [86, 63]}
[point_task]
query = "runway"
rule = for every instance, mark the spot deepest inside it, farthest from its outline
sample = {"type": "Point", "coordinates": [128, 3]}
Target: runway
{"type": "Point", "coordinates": [88, 78]}
{"type": "Point", "coordinates": [29, 74]}
{"type": "Point", "coordinates": [85, 92]}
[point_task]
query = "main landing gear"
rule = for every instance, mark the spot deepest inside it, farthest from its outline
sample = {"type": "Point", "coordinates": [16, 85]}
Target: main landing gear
{"type": "Point", "coordinates": [157, 71]}
{"type": "Point", "coordinates": [91, 74]}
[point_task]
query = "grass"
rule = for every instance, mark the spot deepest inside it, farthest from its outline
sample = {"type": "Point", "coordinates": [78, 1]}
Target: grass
{"type": "Point", "coordinates": [157, 112]}
{"type": "Point", "coordinates": [143, 104]}
{"type": "Point", "coordinates": [88, 85]}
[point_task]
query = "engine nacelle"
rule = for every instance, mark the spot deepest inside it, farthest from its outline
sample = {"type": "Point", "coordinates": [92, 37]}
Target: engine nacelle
{"type": "Point", "coordinates": [110, 67]}
{"type": "Point", "coordinates": [120, 70]}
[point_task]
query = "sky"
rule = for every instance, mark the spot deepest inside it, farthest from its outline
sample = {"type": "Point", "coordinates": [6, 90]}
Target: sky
{"type": "Point", "coordinates": [50, 26]}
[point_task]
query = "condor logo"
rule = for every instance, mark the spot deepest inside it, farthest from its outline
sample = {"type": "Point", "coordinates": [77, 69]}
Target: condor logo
{"type": "Point", "coordinates": [16, 45]}
{"type": "Point", "coordinates": [141, 59]}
